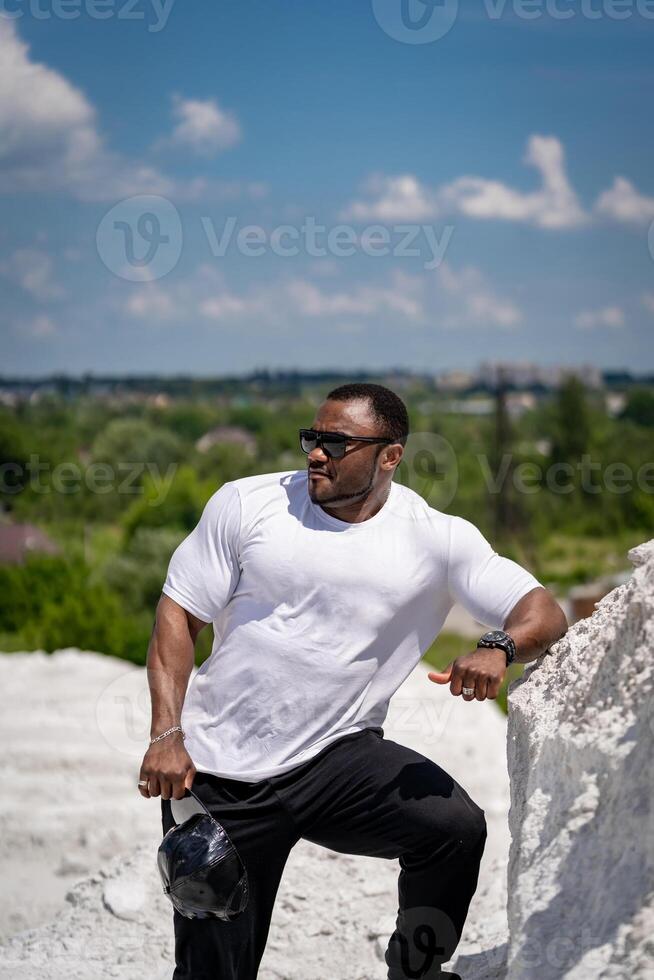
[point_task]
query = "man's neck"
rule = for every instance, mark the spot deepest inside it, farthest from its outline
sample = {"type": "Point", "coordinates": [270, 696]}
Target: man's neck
{"type": "Point", "coordinates": [361, 511]}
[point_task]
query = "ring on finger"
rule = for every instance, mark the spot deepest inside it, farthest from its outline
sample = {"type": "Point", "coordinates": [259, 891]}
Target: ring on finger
{"type": "Point", "coordinates": [144, 782]}
{"type": "Point", "coordinates": [467, 690]}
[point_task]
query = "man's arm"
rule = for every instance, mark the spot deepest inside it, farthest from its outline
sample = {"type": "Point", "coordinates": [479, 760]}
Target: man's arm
{"type": "Point", "coordinates": [167, 765]}
{"type": "Point", "coordinates": [500, 593]}
{"type": "Point", "coordinates": [535, 622]}
{"type": "Point", "coordinates": [203, 573]}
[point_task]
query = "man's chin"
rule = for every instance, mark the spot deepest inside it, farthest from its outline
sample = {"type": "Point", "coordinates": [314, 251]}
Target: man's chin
{"type": "Point", "coordinates": [320, 490]}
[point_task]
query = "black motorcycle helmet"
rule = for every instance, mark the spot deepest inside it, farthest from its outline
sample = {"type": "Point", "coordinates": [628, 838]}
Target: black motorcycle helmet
{"type": "Point", "coordinates": [202, 873]}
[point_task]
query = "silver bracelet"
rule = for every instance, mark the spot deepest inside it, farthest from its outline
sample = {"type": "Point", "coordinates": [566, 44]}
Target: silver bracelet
{"type": "Point", "coordinates": [176, 728]}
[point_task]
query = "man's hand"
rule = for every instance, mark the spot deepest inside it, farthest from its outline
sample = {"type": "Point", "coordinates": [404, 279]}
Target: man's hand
{"type": "Point", "coordinates": [168, 768]}
{"type": "Point", "coordinates": [483, 670]}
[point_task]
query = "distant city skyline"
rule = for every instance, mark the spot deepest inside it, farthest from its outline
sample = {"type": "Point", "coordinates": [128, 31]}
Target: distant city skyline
{"type": "Point", "coordinates": [486, 374]}
{"type": "Point", "coordinates": [297, 186]}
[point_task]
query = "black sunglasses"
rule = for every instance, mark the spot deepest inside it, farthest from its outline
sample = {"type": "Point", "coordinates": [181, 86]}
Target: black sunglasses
{"type": "Point", "coordinates": [332, 443]}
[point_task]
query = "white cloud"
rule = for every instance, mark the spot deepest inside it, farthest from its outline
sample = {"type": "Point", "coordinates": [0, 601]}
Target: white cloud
{"type": "Point", "coordinates": [362, 300]}
{"type": "Point", "coordinates": [472, 301]}
{"type": "Point", "coordinates": [203, 126]}
{"type": "Point", "coordinates": [41, 116]}
{"type": "Point", "coordinates": [48, 134]}
{"type": "Point", "coordinates": [446, 298]}
{"type": "Point", "coordinates": [401, 198]}
{"type": "Point", "coordinates": [152, 302]}
{"type": "Point", "coordinates": [49, 140]}
{"type": "Point", "coordinates": [553, 205]}
{"type": "Point", "coordinates": [32, 269]}
{"type": "Point", "coordinates": [623, 203]}
{"type": "Point", "coordinates": [226, 304]}
{"type": "Point", "coordinates": [208, 296]}
{"type": "Point", "coordinates": [607, 316]}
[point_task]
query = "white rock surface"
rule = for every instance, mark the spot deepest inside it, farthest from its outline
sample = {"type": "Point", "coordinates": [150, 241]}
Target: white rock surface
{"type": "Point", "coordinates": [581, 758]}
{"type": "Point", "coordinates": [78, 848]}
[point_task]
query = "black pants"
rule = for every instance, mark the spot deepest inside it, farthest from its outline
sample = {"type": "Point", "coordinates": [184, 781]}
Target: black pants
{"type": "Point", "coordinates": [363, 794]}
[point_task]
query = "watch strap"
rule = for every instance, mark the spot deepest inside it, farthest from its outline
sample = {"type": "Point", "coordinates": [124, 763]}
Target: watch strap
{"type": "Point", "coordinates": [505, 642]}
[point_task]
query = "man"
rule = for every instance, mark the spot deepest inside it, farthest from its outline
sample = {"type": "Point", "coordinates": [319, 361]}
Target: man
{"type": "Point", "coordinates": [324, 589]}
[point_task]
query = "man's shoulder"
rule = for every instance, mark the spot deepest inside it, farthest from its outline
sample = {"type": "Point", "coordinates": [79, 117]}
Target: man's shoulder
{"type": "Point", "coordinates": [263, 485]}
{"type": "Point", "coordinates": [279, 478]}
{"type": "Point", "coordinates": [412, 505]}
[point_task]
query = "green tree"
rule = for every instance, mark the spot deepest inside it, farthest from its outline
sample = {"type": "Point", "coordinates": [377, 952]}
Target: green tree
{"type": "Point", "coordinates": [639, 407]}
{"type": "Point", "coordinates": [177, 505]}
{"type": "Point", "coordinates": [138, 572]}
{"type": "Point", "coordinates": [128, 441]}
{"type": "Point", "coordinates": [14, 453]}
{"type": "Point", "coordinates": [571, 430]}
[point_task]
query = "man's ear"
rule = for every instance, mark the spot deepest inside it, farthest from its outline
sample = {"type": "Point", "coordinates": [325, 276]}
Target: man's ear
{"type": "Point", "coordinates": [394, 454]}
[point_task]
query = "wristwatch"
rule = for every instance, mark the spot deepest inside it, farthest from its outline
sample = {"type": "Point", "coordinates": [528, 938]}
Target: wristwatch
{"type": "Point", "coordinates": [498, 638]}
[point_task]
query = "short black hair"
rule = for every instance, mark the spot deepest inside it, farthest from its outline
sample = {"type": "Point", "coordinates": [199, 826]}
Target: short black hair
{"type": "Point", "coordinates": [387, 408]}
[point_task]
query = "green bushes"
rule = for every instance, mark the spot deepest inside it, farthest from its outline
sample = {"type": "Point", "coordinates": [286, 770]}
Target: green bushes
{"type": "Point", "coordinates": [51, 602]}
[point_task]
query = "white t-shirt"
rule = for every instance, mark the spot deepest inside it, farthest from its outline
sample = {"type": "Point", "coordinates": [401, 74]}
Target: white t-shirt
{"type": "Point", "coordinates": [318, 621]}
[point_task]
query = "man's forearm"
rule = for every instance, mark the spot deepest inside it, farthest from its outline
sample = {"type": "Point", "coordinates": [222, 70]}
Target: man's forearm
{"type": "Point", "coordinates": [534, 623]}
{"type": "Point", "coordinates": [169, 665]}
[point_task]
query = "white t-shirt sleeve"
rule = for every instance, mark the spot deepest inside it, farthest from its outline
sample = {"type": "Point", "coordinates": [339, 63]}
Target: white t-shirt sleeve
{"type": "Point", "coordinates": [485, 583]}
{"type": "Point", "coordinates": [204, 569]}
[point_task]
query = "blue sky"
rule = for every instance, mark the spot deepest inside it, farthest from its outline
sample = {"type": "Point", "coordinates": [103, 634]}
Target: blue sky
{"type": "Point", "coordinates": [486, 194]}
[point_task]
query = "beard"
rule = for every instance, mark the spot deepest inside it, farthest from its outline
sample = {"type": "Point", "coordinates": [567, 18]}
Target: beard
{"type": "Point", "coordinates": [332, 494]}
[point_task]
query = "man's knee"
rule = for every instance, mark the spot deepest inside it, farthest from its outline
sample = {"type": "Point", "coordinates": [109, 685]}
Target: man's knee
{"type": "Point", "coordinates": [468, 826]}
{"type": "Point", "coordinates": [473, 829]}
{"type": "Point", "coordinates": [464, 829]}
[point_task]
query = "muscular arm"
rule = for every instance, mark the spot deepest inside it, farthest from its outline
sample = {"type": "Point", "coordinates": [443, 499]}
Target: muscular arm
{"type": "Point", "coordinates": [535, 622]}
{"type": "Point", "coordinates": [167, 765]}
{"type": "Point", "coordinates": [170, 662]}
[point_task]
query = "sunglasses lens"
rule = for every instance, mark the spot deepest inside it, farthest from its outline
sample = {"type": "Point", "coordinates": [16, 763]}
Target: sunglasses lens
{"type": "Point", "coordinates": [334, 446]}
{"type": "Point", "coordinates": [308, 442]}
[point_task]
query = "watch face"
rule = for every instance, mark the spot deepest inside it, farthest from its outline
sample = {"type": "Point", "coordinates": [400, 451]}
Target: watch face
{"type": "Point", "coordinates": [494, 635]}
